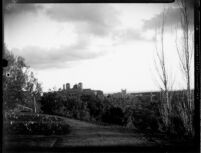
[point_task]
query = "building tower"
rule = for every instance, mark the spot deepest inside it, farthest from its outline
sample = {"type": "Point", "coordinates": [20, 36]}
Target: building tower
{"type": "Point", "coordinates": [75, 86]}
{"type": "Point", "coordinates": [63, 86]}
{"type": "Point", "coordinates": [67, 86]}
{"type": "Point", "coordinates": [123, 91]}
{"type": "Point", "coordinates": [80, 85]}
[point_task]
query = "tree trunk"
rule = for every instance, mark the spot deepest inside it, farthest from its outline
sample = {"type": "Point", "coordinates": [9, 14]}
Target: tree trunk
{"type": "Point", "coordinates": [35, 109]}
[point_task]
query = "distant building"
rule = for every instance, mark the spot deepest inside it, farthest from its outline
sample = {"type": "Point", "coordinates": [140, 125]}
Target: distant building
{"type": "Point", "coordinates": [98, 93]}
{"type": "Point", "coordinates": [80, 85]}
{"type": "Point", "coordinates": [67, 86]}
{"type": "Point", "coordinates": [64, 87]}
{"type": "Point", "coordinates": [121, 94]}
{"type": "Point", "coordinates": [123, 91]}
{"type": "Point", "coordinates": [78, 90]}
{"type": "Point", "coordinates": [75, 86]}
{"type": "Point", "coordinates": [73, 93]}
{"type": "Point", "coordinates": [152, 95]}
{"type": "Point", "coordinates": [88, 92]}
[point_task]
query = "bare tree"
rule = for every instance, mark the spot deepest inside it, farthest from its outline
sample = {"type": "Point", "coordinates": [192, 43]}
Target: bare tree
{"type": "Point", "coordinates": [185, 56]}
{"type": "Point", "coordinates": [162, 72]}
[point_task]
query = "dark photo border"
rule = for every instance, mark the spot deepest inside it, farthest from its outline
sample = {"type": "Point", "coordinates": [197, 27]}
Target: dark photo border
{"type": "Point", "coordinates": [197, 100]}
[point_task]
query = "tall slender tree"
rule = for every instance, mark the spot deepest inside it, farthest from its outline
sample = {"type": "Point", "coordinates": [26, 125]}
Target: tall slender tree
{"type": "Point", "coordinates": [185, 54]}
{"type": "Point", "coordinates": [165, 82]}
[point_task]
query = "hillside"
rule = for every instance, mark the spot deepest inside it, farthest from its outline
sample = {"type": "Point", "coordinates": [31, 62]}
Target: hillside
{"type": "Point", "coordinates": [83, 134]}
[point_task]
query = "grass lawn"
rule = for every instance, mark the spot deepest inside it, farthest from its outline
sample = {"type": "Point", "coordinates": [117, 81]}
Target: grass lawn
{"type": "Point", "coordinates": [83, 134]}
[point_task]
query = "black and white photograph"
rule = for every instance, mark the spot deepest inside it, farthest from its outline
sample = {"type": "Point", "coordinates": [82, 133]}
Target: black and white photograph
{"type": "Point", "coordinates": [83, 75]}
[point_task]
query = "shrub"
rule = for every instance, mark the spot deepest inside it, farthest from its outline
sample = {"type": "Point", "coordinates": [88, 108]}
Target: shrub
{"type": "Point", "coordinates": [177, 128]}
{"type": "Point", "coordinates": [35, 124]}
{"type": "Point", "coordinates": [113, 116]}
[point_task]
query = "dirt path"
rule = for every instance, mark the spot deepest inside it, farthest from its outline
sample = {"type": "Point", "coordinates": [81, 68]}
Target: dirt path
{"type": "Point", "coordinates": [79, 124]}
{"type": "Point", "coordinates": [83, 134]}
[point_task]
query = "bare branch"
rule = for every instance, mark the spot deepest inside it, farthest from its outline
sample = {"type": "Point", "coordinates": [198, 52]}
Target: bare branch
{"type": "Point", "coordinates": [161, 69]}
{"type": "Point", "coordinates": [185, 57]}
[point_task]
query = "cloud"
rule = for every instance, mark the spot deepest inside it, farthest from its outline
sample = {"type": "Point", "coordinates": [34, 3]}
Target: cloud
{"type": "Point", "coordinates": [97, 19]}
{"type": "Point", "coordinates": [17, 9]}
{"type": "Point", "coordinates": [40, 58]}
{"type": "Point", "coordinates": [172, 18]}
{"type": "Point", "coordinates": [130, 35]}
{"type": "Point", "coordinates": [189, 3]}
{"type": "Point", "coordinates": [90, 19]}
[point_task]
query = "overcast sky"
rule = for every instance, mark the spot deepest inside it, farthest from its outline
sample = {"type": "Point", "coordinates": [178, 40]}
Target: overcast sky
{"type": "Point", "coordinates": [105, 46]}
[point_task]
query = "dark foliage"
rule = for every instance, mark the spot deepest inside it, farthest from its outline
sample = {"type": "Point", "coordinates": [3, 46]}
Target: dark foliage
{"type": "Point", "coordinates": [142, 113]}
{"type": "Point", "coordinates": [18, 83]}
{"type": "Point", "coordinates": [113, 115]}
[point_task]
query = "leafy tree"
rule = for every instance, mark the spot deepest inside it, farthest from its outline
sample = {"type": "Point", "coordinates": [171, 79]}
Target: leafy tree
{"type": "Point", "coordinates": [51, 103]}
{"type": "Point", "coordinates": [113, 116]}
{"type": "Point", "coordinates": [18, 83]}
{"type": "Point", "coordinates": [95, 107]}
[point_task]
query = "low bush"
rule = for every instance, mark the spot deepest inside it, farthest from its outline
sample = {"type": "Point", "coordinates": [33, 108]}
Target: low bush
{"type": "Point", "coordinates": [177, 128]}
{"type": "Point", "coordinates": [113, 116]}
{"type": "Point", "coordinates": [35, 124]}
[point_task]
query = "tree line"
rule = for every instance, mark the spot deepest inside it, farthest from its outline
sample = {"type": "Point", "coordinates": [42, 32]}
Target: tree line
{"type": "Point", "coordinates": [137, 112]}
